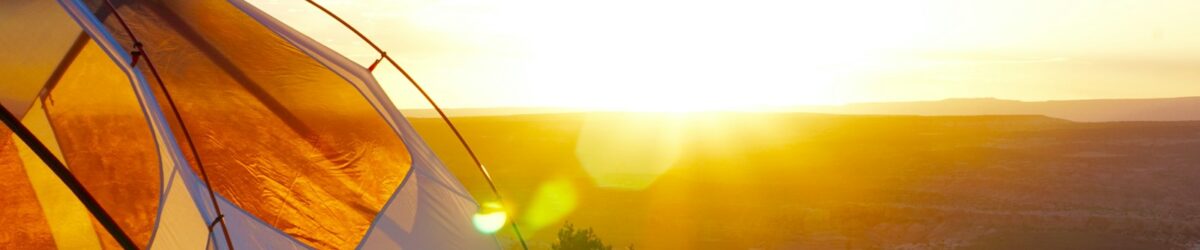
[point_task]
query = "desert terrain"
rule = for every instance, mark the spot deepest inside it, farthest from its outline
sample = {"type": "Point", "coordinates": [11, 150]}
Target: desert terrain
{"type": "Point", "coordinates": [799, 180]}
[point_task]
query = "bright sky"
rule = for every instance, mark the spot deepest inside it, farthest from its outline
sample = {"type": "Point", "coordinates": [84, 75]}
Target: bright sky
{"type": "Point", "coordinates": [703, 55]}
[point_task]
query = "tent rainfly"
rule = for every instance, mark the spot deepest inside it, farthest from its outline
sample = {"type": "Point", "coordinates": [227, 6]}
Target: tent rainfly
{"type": "Point", "coordinates": [208, 124]}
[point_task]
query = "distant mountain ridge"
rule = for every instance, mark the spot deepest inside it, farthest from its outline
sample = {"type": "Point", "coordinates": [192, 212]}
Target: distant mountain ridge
{"type": "Point", "coordinates": [1098, 110]}
{"type": "Point", "coordinates": [500, 111]}
{"type": "Point", "coordinates": [1093, 110]}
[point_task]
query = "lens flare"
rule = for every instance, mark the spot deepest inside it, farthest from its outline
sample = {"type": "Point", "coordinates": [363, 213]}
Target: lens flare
{"type": "Point", "coordinates": [490, 218]}
{"type": "Point", "coordinates": [630, 151]}
{"type": "Point", "coordinates": [553, 201]}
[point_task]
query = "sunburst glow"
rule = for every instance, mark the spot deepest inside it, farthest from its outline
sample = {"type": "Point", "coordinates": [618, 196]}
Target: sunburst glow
{"type": "Point", "coordinates": [675, 55]}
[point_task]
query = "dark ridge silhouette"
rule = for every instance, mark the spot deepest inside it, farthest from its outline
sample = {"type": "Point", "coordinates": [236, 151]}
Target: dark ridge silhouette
{"type": "Point", "coordinates": [1098, 110]}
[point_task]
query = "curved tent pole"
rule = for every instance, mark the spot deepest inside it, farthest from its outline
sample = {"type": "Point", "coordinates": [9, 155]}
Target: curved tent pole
{"type": "Point", "coordinates": [140, 52]}
{"type": "Point", "coordinates": [446, 119]}
{"type": "Point", "coordinates": [67, 178]}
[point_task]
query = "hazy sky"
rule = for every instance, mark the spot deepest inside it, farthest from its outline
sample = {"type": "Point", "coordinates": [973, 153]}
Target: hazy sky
{"type": "Point", "coordinates": [690, 55]}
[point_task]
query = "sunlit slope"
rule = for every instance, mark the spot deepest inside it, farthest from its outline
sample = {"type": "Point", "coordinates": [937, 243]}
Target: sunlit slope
{"type": "Point", "coordinates": [798, 180]}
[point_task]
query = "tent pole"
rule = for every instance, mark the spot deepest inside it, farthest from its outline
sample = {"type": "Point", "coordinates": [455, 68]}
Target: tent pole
{"type": "Point", "coordinates": [441, 113]}
{"type": "Point", "coordinates": [141, 52]}
{"type": "Point", "coordinates": [66, 177]}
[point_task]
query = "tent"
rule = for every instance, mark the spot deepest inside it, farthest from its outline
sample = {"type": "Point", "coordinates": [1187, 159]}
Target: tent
{"type": "Point", "coordinates": [209, 124]}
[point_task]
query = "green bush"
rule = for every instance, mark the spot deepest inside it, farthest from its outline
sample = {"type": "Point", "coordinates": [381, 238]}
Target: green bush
{"type": "Point", "coordinates": [571, 239]}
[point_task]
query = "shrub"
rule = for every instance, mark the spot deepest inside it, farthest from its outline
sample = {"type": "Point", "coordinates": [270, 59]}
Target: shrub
{"type": "Point", "coordinates": [571, 239]}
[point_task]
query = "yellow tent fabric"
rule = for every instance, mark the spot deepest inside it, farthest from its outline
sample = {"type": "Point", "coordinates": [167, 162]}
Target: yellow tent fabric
{"type": "Point", "coordinates": [22, 211]}
{"type": "Point", "coordinates": [46, 53]}
{"type": "Point", "coordinates": [106, 142]}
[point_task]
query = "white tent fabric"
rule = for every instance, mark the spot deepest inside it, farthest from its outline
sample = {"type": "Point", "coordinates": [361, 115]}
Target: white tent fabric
{"type": "Point", "coordinates": [250, 233]}
{"type": "Point", "coordinates": [429, 210]}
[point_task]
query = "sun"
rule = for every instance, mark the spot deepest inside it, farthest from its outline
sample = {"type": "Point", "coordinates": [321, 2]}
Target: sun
{"type": "Point", "coordinates": [812, 88]}
{"type": "Point", "coordinates": [747, 57]}
{"type": "Point", "coordinates": [654, 55]}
